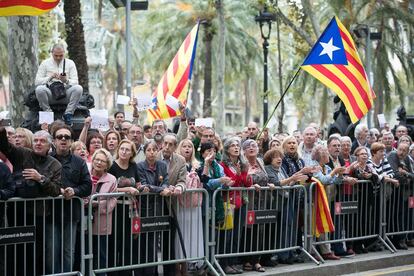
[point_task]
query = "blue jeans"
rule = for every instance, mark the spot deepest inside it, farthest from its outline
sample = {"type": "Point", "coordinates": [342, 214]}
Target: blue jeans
{"type": "Point", "coordinates": [53, 246]}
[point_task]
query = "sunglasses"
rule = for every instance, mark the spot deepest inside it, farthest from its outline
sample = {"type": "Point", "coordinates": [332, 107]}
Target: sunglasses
{"type": "Point", "coordinates": [60, 137]}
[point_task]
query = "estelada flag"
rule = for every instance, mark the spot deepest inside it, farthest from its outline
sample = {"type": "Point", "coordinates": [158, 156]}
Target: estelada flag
{"type": "Point", "coordinates": [335, 62]}
{"type": "Point", "coordinates": [174, 84]}
{"type": "Point", "coordinates": [26, 7]}
{"type": "Point", "coordinates": [322, 222]}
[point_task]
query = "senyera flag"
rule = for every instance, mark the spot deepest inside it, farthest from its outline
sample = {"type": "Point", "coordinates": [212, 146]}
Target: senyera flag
{"type": "Point", "coordinates": [335, 62]}
{"type": "Point", "coordinates": [322, 219]}
{"type": "Point", "coordinates": [26, 7]}
{"type": "Point", "coordinates": [174, 84]}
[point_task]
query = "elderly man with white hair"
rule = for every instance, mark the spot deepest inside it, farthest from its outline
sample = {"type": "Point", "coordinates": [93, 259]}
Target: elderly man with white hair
{"type": "Point", "coordinates": [361, 137]}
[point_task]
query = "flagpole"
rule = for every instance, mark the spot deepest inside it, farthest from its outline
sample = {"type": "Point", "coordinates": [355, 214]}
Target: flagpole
{"type": "Point", "coordinates": [280, 100]}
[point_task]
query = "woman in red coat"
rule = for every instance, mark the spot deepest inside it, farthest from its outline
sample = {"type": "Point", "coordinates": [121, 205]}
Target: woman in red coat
{"type": "Point", "coordinates": [235, 167]}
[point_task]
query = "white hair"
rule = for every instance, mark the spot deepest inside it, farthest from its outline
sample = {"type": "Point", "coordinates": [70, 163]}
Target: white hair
{"type": "Point", "coordinates": [358, 129]}
{"type": "Point", "coordinates": [43, 133]}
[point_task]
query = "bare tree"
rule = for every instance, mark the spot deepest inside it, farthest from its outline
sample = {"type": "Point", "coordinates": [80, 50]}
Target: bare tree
{"type": "Point", "coordinates": [23, 62]}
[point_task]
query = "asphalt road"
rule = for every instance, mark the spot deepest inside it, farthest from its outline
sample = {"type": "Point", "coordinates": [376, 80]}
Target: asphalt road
{"type": "Point", "coordinates": [406, 270]}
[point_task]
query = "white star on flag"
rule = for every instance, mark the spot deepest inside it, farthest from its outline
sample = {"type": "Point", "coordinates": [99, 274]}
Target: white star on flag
{"type": "Point", "coordinates": [328, 48]}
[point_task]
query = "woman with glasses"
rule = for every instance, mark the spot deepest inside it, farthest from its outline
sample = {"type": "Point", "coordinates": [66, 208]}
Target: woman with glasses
{"type": "Point", "coordinates": [125, 171]}
{"type": "Point", "coordinates": [235, 167]}
{"type": "Point", "coordinates": [153, 175]}
{"type": "Point", "coordinates": [102, 182]}
{"type": "Point", "coordinates": [367, 199]}
{"type": "Point", "coordinates": [94, 142]}
{"type": "Point", "coordinates": [23, 138]}
{"type": "Point", "coordinates": [257, 201]}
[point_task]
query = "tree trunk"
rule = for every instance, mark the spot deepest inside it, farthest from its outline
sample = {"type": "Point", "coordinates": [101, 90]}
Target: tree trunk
{"type": "Point", "coordinates": [23, 63]}
{"type": "Point", "coordinates": [324, 106]}
{"type": "Point", "coordinates": [76, 40]}
{"type": "Point", "coordinates": [247, 101]}
{"type": "Point", "coordinates": [3, 88]}
{"type": "Point", "coordinates": [208, 37]}
{"type": "Point", "coordinates": [279, 64]}
{"type": "Point", "coordinates": [119, 83]}
{"type": "Point", "coordinates": [195, 93]}
{"type": "Point", "coordinates": [221, 61]}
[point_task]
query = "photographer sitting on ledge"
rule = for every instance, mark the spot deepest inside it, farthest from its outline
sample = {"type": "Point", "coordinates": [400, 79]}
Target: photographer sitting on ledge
{"type": "Point", "coordinates": [56, 79]}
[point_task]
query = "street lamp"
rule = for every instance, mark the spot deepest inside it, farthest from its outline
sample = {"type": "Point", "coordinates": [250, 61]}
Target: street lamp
{"type": "Point", "coordinates": [265, 19]}
{"type": "Point", "coordinates": [129, 6]}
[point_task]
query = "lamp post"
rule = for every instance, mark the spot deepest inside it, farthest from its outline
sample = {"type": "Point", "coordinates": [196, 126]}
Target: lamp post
{"type": "Point", "coordinates": [129, 6]}
{"type": "Point", "coordinates": [264, 19]}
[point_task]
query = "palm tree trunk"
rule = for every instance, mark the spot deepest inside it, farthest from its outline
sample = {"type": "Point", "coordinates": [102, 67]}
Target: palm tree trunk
{"type": "Point", "coordinates": [4, 91]}
{"type": "Point", "coordinates": [247, 101]}
{"type": "Point", "coordinates": [208, 37]}
{"type": "Point", "coordinates": [23, 62]}
{"type": "Point", "coordinates": [195, 93]}
{"type": "Point", "coordinates": [75, 40]}
{"type": "Point", "coordinates": [221, 61]}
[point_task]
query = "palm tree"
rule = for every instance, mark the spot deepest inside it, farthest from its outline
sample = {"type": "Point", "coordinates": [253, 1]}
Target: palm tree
{"type": "Point", "coordinates": [75, 40]}
{"type": "Point", "coordinates": [3, 57]}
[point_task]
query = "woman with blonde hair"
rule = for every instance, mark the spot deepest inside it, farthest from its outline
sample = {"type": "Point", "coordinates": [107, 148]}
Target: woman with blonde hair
{"type": "Point", "coordinates": [102, 182]}
{"type": "Point", "coordinates": [24, 138]}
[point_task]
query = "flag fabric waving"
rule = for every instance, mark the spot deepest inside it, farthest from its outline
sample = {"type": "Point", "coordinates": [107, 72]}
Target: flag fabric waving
{"type": "Point", "coordinates": [26, 7]}
{"type": "Point", "coordinates": [322, 222]}
{"type": "Point", "coordinates": [335, 62]}
{"type": "Point", "coordinates": [174, 84]}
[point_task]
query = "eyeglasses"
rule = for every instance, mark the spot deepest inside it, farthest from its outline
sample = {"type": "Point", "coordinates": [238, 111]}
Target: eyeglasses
{"type": "Point", "coordinates": [60, 137]}
{"type": "Point", "coordinates": [99, 160]}
{"type": "Point", "coordinates": [96, 142]}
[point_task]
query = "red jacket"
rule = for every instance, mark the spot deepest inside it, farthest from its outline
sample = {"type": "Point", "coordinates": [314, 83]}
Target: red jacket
{"type": "Point", "coordinates": [240, 180]}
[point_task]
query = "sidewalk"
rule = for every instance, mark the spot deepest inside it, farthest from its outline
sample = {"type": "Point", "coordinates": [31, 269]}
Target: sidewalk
{"type": "Point", "coordinates": [359, 263]}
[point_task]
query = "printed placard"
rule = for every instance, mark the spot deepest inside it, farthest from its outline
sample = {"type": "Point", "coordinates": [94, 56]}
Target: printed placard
{"type": "Point", "coordinates": [13, 235]}
{"type": "Point", "coordinates": [250, 220]}
{"type": "Point", "coordinates": [347, 207]}
{"type": "Point", "coordinates": [136, 225]}
{"type": "Point", "coordinates": [153, 224]}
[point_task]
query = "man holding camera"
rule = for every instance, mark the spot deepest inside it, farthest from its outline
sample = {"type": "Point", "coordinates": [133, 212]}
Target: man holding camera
{"type": "Point", "coordinates": [56, 79]}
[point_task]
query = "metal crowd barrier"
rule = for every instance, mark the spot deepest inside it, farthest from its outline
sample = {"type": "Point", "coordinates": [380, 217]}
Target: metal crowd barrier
{"type": "Point", "coordinates": [267, 223]}
{"type": "Point", "coordinates": [356, 212]}
{"type": "Point", "coordinates": [148, 232]}
{"type": "Point", "coordinates": [398, 211]}
{"type": "Point", "coordinates": [38, 236]}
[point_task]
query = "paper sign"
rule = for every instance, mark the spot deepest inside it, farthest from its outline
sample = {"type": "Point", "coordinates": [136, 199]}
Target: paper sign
{"type": "Point", "coordinates": [46, 117]}
{"type": "Point", "coordinates": [99, 119]}
{"type": "Point", "coordinates": [207, 122]}
{"type": "Point", "coordinates": [381, 120]}
{"type": "Point", "coordinates": [143, 95]}
{"type": "Point", "coordinates": [172, 102]}
{"type": "Point", "coordinates": [121, 99]}
{"type": "Point", "coordinates": [4, 115]}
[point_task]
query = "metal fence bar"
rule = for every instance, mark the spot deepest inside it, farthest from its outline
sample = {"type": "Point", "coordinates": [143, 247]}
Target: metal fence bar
{"type": "Point", "coordinates": [267, 224]}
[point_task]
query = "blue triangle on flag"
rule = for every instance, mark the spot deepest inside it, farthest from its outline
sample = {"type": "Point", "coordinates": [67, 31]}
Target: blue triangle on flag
{"type": "Point", "coordinates": [329, 48]}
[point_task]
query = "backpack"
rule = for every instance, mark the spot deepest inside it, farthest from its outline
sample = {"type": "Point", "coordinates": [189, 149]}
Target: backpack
{"type": "Point", "coordinates": [192, 199]}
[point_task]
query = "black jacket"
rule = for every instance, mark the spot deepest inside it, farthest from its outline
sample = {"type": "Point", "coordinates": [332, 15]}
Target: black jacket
{"type": "Point", "coordinates": [23, 158]}
{"type": "Point", "coordinates": [75, 174]}
{"type": "Point", "coordinates": [7, 185]}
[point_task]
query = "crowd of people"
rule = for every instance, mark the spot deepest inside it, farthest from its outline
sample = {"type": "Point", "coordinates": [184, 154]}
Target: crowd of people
{"type": "Point", "coordinates": [136, 160]}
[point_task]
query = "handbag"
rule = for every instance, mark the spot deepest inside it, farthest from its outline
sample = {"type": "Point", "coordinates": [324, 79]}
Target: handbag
{"type": "Point", "coordinates": [57, 88]}
{"type": "Point", "coordinates": [228, 222]}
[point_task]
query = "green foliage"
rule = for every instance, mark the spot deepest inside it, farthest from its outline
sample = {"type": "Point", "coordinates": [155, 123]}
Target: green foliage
{"type": "Point", "coordinates": [46, 25]}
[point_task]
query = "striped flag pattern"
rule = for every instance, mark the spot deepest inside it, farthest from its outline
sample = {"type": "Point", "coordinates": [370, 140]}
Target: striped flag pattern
{"type": "Point", "coordinates": [174, 84]}
{"type": "Point", "coordinates": [321, 213]}
{"type": "Point", "coordinates": [26, 7]}
{"type": "Point", "coordinates": [335, 62]}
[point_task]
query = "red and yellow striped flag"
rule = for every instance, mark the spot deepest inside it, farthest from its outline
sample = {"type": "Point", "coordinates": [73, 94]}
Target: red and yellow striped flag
{"type": "Point", "coordinates": [335, 62]}
{"type": "Point", "coordinates": [321, 212]}
{"type": "Point", "coordinates": [26, 7]}
{"type": "Point", "coordinates": [174, 84]}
